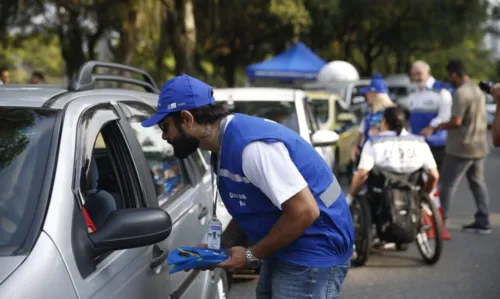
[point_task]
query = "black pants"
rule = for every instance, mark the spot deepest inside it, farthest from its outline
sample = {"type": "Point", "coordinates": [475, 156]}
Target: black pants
{"type": "Point", "coordinates": [438, 153]}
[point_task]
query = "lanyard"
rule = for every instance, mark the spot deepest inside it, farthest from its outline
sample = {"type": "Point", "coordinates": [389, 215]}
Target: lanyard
{"type": "Point", "coordinates": [215, 180]}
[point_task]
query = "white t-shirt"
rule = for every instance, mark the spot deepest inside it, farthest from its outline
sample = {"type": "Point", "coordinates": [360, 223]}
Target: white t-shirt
{"type": "Point", "coordinates": [400, 155]}
{"type": "Point", "coordinates": [269, 167]}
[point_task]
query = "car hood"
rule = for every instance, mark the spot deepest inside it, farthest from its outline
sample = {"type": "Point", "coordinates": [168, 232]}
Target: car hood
{"type": "Point", "coordinates": [9, 265]}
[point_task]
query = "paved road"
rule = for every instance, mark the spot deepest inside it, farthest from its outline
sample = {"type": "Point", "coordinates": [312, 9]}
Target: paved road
{"type": "Point", "coordinates": [469, 267]}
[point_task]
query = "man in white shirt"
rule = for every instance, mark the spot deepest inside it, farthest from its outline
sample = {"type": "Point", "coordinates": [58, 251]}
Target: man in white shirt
{"type": "Point", "coordinates": [430, 106]}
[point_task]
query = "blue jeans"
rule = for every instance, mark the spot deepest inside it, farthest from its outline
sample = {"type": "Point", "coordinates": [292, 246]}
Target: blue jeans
{"type": "Point", "coordinates": [283, 280]}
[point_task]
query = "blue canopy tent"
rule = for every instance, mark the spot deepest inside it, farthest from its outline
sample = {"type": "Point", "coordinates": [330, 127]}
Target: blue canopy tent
{"type": "Point", "coordinates": [296, 63]}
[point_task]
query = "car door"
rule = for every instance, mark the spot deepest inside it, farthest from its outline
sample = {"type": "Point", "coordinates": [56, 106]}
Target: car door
{"type": "Point", "coordinates": [180, 192]}
{"type": "Point", "coordinates": [106, 164]}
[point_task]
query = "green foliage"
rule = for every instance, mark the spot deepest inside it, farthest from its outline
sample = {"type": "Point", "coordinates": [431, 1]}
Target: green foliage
{"type": "Point", "coordinates": [476, 60]}
{"type": "Point", "coordinates": [37, 52]}
{"type": "Point", "coordinates": [383, 35]}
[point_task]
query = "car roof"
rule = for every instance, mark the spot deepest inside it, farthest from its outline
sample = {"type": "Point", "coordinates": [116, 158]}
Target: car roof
{"type": "Point", "coordinates": [28, 95]}
{"type": "Point", "coordinates": [56, 97]}
{"type": "Point", "coordinates": [321, 94]}
{"type": "Point", "coordinates": [264, 94]}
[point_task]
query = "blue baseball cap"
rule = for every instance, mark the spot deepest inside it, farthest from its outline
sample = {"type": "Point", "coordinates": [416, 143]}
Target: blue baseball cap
{"type": "Point", "coordinates": [180, 93]}
{"type": "Point", "coordinates": [377, 85]}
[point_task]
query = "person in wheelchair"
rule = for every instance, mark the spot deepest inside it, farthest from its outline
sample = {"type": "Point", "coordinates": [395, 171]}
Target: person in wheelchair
{"type": "Point", "coordinates": [395, 150]}
{"type": "Point", "coordinates": [393, 164]}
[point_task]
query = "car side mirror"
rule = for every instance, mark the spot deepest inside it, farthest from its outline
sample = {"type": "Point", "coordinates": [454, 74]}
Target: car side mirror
{"type": "Point", "coordinates": [131, 228]}
{"type": "Point", "coordinates": [324, 138]}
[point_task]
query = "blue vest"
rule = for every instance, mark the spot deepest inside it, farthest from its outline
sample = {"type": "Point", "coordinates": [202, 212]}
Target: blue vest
{"type": "Point", "coordinates": [371, 120]}
{"type": "Point", "coordinates": [421, 119]}
{"type": "Point", "coordinates": [329, 240]}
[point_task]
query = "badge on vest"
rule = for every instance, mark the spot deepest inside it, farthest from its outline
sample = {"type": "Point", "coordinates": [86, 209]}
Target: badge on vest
{"type": "Point", "coordinates": [214, 235]}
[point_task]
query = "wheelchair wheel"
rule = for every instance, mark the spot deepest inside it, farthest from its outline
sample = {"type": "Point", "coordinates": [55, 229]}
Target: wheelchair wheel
{"type": "Point", "coordinates": [429, 236]}
{"type": "Point", "coordinates": [362, 220]}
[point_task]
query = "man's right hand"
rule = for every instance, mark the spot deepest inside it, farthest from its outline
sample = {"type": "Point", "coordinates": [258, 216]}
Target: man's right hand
{"type": "Point", "coordinates": [495, 92]}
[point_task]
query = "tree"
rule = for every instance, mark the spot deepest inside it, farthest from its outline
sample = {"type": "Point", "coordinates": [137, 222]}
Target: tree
{"type": "Point", "coordinates": [234, 34]}
{"type": "Point", "coordinates": [180, 27]}
{"type": "Point", "coordinates": [383, 35]}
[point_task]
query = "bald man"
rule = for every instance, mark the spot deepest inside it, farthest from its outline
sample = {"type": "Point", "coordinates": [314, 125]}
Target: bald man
{"type": "Point", "coordinates": [430, 106]}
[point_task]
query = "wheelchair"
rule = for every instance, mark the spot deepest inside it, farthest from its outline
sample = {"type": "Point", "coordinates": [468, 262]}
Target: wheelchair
{"type": "Point", "coordinates": [372, 213]}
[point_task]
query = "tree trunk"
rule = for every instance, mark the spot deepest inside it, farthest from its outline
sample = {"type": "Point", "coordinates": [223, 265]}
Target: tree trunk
{"type": "Point", "coordinates": [368, 70]}
{"type": "Point", "coordinates": [71, 39]}
{"type": "Point", "coordinates": [400, 61]}
{"type": "Point", "coordinates": [230, 73]}
{"type": "Point", "coordinates": [162, 49]}
{"type": "Point", "coordinates": [181, 30]}
{"type": "Point", "coordinates": [128, 33]}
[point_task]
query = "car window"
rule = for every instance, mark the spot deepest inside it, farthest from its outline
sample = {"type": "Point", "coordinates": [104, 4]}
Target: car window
{"type": "Point", "coordinates": [398, 92]}
{"type": "Point", "coordinates": [320, 110]}
{"type": "Point", "coordinates": [169, 173]}
{"type": "Point", "coordinates": [25, 138]}
{"type": "Point", "coordinates": [106, 187]}
{"type": "Point", "coordinates": [489, 99]}
{"type": "Point", "coordinates": [312, 121]}
{"type": "Point", "coordinates": [284, 113]}
{"type": "Point", "coordinates": [201, 162]}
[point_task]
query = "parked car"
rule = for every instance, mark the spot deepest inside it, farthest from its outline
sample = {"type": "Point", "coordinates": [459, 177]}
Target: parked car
{"type": "Point", "coordinates": [290, 107]}
{"type": "Point", "coordinates": [330, 116]}
{"type": "Point", "coordinates": [352, 100]}
{"type": "Point", "coordinates": [91, 202]}
{"type": "Point", "coordinates": [491, 108]}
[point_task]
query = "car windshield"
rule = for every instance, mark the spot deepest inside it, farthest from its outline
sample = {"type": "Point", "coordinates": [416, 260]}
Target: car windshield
{"type": "Point", "coordinates": [25, 138]}
{"type": "Point", "coordinates": [281, 112]}
{"type": "Point", "coordinates": [398, 92]}
{"type": "Point", "coordinates": [320, 110]}
{"type": "Point", "coordinates": [489, 99]}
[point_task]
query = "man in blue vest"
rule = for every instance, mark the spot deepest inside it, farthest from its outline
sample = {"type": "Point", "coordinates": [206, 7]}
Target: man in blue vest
{"type": "Point", "coordinates": [430, 106]}
{"type": "Point", "coordinates": [275, 185]}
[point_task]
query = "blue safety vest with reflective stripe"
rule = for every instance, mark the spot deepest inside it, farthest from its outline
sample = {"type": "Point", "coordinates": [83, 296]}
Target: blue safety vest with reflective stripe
{"type": "Point", "coordinates": [329, 240]}
{"type": "Point", "coordinates": [424, 110]}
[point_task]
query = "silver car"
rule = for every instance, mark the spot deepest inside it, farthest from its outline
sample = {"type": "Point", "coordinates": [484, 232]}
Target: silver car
{"type": "Point", "coordinates": [91, 202]}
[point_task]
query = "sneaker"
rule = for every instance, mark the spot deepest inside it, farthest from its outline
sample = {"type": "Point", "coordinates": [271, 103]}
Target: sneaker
{"type": "Point", "coordinates": [477, 228]}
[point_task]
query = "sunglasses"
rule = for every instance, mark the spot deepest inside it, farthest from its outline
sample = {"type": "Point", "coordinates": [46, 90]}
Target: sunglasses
{"type": "Point", "coordinates": [163, 125]}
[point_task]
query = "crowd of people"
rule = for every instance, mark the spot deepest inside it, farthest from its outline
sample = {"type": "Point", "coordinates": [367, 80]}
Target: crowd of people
{"type": "Point", "coordinates": [453, 127]}
{"type": "Point", "coordinates": [36, 77]}
{"type": "Point", "coordinates": [297, 214]}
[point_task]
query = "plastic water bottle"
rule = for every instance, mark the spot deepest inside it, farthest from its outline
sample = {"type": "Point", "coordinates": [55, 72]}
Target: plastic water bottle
{"type": "Point", "coordinates": [214, 234]}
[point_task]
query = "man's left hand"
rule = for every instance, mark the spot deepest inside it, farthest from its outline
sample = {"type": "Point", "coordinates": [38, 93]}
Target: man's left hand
{"type": "Point", "coordinates": [237, 259]}
{"type": "Point", "coordinates": [427, 131]}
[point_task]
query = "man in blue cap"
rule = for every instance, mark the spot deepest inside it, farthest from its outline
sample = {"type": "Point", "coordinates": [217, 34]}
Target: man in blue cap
{"type": "Point", "coordinates": [275, 185]}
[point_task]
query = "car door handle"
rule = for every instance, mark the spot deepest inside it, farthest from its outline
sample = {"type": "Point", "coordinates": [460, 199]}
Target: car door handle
{"type": "Point", "coordinates": [159, 256]}
{"type": "Point", "coordinates": [203, 213]}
